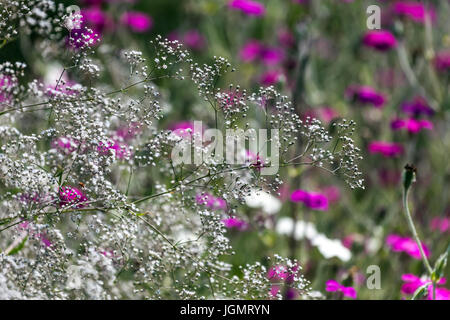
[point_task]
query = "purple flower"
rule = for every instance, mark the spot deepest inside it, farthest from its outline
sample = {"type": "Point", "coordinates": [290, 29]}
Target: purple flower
{"type": "Point", "coordinates": [312, 200]}
{"type": "Point", "coordinates": [137, 21]}
{"type": "Point", "coordinates": [249, 7]}
{"type": "Point", "coordinates": [95, 18]}
{"type": "Point", "coordinates": [442, 61]}
{"type": "Point", "coordinates": [412, 125]}
{"type": "Point", "coordinates": [270, 77]}
{"type": "Point", "coordinates": [333, 286]}
{"type": "Point", "coordinates": [70, 196]}
{"type": "Point", "coordinates": [387, 149]}
{"type": "Point", "coordinates": [211, 201]}
{"type": "Point", "coordinates": [412, 10]}
{"type": "Point", "coordinates": [380, 40]}
{"type": "Point", "coordinates": [417, 107]}
{"type": "Point", "coordinates": [413, 282]}
{"type": "Point", "coordinates": [440, 224]}
{"type": "Point", "coordinates": [65, 144]}
{"type": "Point", "coordinates": [194, 40]}
{"type": "Point", "coordinates": [235, 223]}
{"type": "Point", "coordinates": [365, 95]}
{"type": "Point", "coordinates": [254, 50]}
{"type": "Point", "coordinates": [408, 245]}
{"type": "Point", "coordinates": [81, 38]}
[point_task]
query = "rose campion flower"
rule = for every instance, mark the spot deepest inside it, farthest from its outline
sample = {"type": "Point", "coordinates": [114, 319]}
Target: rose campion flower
{"type": "Point", "coordinates": [334, 286]}
{"type": "Point", "coordinates": [332, 193]}
{"type": "Point", "coordinates": [235, 223]}
{"type": "Point", "coordinates": [270, 78]}
{"type": "Point", "coordinates": [413, 282]}
{"type": "Point", "coordinates": [194, 40]}
{"type": "Point", "coordinates": [128, 132]}
{"type": "Point", "coordinates": [312, 200]}
{"type": "Point", "coordinates": [365, 95]}
{"type": "Point", "coordinates": [417, 107]}
{"type": "Point", "coordinates": [249, 7]}
{"type": "Point", "coordinates": [68, 196]}
{"type": "Point", "coordinates": [412, 10]}
{"type": "Point", "coordinates": [254, 50]}
{"type": "Point", "coordinates": [121, 150]}
{"type": "Point", "coordinates": [440, 224]}
{"type": "Point", "coordinates": [137, 21]}
{"type": "Point", "coordinates": [96, 19]}
{"type": "Point", "coordinates": [442, 61]}
{"type": "Point", "coordinates": [65, 144]}
{"type": "Point", "coordinates": [381, 40]}
{"type": "Point", "coordinates": [405, 244]}
{"type": "Point", "coordinates": [387, 149]}
{"type": "Point", "coordinates": [412, 125]}
{"type": "Point", "coordinates": [211, 201]}
{"type": "Point", "coordinates": [183, 129]}
{"type": "Point", "coordinates": [83, 37]}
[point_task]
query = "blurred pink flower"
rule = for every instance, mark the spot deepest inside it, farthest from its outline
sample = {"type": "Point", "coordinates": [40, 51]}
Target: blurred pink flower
{"type": "Point", "coordinates": [312, 200]}
{"type": "Point", "coordinates": [26, 226]}
{"type": "Point", "coordinates": [413, 10]}
{"type": "Point", "coordinates": [365, 95]}
{"type": "Point", "coordinates": [254, 50]}
{"type": "Point", "coordinates": [332, 193]}
{"type": "Point", "coordinates": [194, 40]}
{"type": "Point", "coordinates": [387, 149]}
{"type": "Point", "coordinates": [417, 107]}
{"type": "Point", "coordinates": [412, 125]}
{"type": "Point", "coordinates": [83, 37]}
{"type": "Point", "coordinates": [440, 224]}
{"type": "Point", "coordinates": [333, 285]}
{"type": "Point", "coordinates": [250, 51]}
{"type": "Point", "coordinates": [235, 223]}
{"type": "Point", "coordinates": [65, 144]}
{"type": "Point", "coordinates": [249, 7]}
{"type": "Point", "coordinates": [413, 282]}
{"type": "Point", "coordinates": [405, 244]}
{"type": "Point", "coordinates": [286, 38]}
{"type": "Point", "coordinates": [326, 114]}
{"type": "Point", "coordinates": [442, 60]}
{"type": "Point", "coordinates": [96, 19]}
{"type": "Point", "coordinates": [121, 150]}
{"type": "Point", "coordinates": [270, 77]}
{"type": "Point", "coordinates": [137, 21]}
{"type": "Point", "coordinates": [6, 85]}
{"type": "Point", "coordinates": [184, 129]}
{"type": "Point", "coordinates": [70, 196]}
{"type": "Point", "coordinates": [380, 40]}
{"type": "Point", "coordinates": [211, 201]}
{"type": "Point", "coordinates": [128, 132]}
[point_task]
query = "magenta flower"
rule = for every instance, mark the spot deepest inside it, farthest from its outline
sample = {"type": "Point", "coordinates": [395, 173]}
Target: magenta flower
{"type": "Point", "coordinates": [6, 85]}
{"type": "Point", "coordinates": [137, 21]}
{"type": "Point", "coordinates": [326, 114]}
{"type": "Point", "coordinates": [96, 19]}
{"type": "Point", "coordinates": [70, 195]}
{"type": "Point", "coordinates": [121, 150]}
{"type": "Point", "coordinates": [183, 129]}
{"type": "Point", "coordinates": [249, 7]}
{"type": "Point", "coordinates": [26, 226]}
{"type": "Point", "coordinates": [81, 38]}
{"type": "Point", "coordinates": [270, 78]}
{"type": "Point", "coordinates": [286, 38]}
{"type": "Point", "coordinates": [250, 51]}
{"type": "Point", "coordinates": [412, 125]}
{"type": "Point", "coordinates": [381, 40]}
{"type": "Point", "coordinates": [65, 144]}
{"type": "Point", "coordinates": [417, 107]}
{"type": "Point", "coordinates": [254, 160]}
{"type": "Point", "coordinates": [365, 95]}
{"type": "Point", "coordinates": [414, 11]}
{"type": "Point", "coordinates": [127, 133]}
{"type": "Point", "coordinates": [442, 61]}
{"type": "Point", "coordinates": [333, 286]}
{"type": "Point", "coordinates": [408, 245]}
{"type": "Point", "coordinates": [235, 223]}
{"type": "Point", "coordinates": [413, 282]}
{"type": "Point", "coordinates": [332, 193]}
{"type": "Point", "coordinates": [254, 50]}
{"type": "Point", "coordinates": [387, 149]}
{"type": "Point", "coordinates": [211, 201]}
{"type": "Point", "coordinates": [312, 200]}
{"type": "Point", "coordinates": [194, 40]}
{"type": "Point", "coordinates": [440, 224]}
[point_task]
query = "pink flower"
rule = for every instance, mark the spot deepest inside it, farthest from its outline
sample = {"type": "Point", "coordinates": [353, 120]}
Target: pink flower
{"type": "Point", "coordinates": [70, 195]}
{"type": "Point", "coordinates": [184, 129]}
{"type": "Point", "coordinates": [333, 286]}
{"type": "Point", "coordinates": [286, 38]}
{"type": "Point", "coordinates": [127, 133]}
{"type": "Point", "coordinates": [412, 125]}
{"type": "Point", "coordinates": [27, 226]}
{"type": "Point", "coordinates": [387, 149]}
{"type": "Point", "coordinates": [95, 18]}
{"type": "Point", "coordinates": [254, 50]}
{"type": "Point", "coordinates": [250, 51]}
{"type": "Point", "coordinates": [381, 40]}
{"type": "Point", "coordinates": [270, 77]}
{"type": "Point", "coordinates": [312, 200]}
{"type": "Point", "coordinates": [194, 40]}
{"type": "Point", "coordinates": [417, 107]}
{"type": "Point", "coordinates": [440, 224]}
{"type": "Point", "coordinates": [442, 61]}
{"type": "Point", "coordinates": [65, 144]}
{"type": "Point", "coordinates": [408, 245]}
{"type": "Point", "coordinates": [249, 7]}
{"type": "Point", "coordinates": [413, 10]}
{"type": "Point", "coordinates": [413, 282]}
{"type": "Point", "coordinates": [211, 201]}
{"type": "Point", "coordinates": [326, 114]}
{"type": "Point", "coordinates": [235, 223]}
{"type": "Point", "coordinates": [365, 95]}
{"type": "Point", "coordinates": [332, 193]}
{"type": "Point", "coordinates": [6, 85]}
{"type": "Point", "coordinates": [121, 150]}
{"type": "Point", "coordinates": [137, 21]}
{"type": "Point", "coordinates": [82, 38]}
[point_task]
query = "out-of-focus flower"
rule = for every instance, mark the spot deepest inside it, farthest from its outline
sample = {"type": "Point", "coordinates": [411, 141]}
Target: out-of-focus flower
{"type": "Point", "coordinates": [250, 51]}
{"type": "Point", "coordinates": [389, 177]}
{"type": "Point", "coordinates": [210, 201]}
{"type": "Point", "coordinates": [65, 144]}
{"type": "Point", "coordinates": [387, 149]}
{"type": "Point", "coordinates": [254, 50]}
{"type": "Point", "coordinates": [326, 114]}
{"type": "Point", "coordinates": [31, 230]}
{"type": "Point", "coordinates": [381, 40]}
{"type": "Point", "coordinates": [333, 286]}
{"type": "Point", "coordinates": [413, 10]}
{"type": "Point", "coordinates": [417, 107]}
{"type": "Point", "coordinates": [313, 200]}
{"type": "Point", "coordinates": [69, 196]}
{"type": "Point", "coordinates": [194, 40]}
{"type": "Point", "coordinates": [270, 77]}
{"type": "Point", "coordinates": [235, 223]}
{"type": "Point", "coordinates": [183, 129]}
{"type": "Point", "coordinates": [412, 125]}
{"type": "Point", "coordinates": [83, 37]}
{"type": "Point", "coordinates": [127, 133]}
{"type": "Point", "coordinates": [264, 201]}
{"type": "Point", "coordinates": [365, 95]}
{"type": "Point", "coordinates": [286, 38]}
{"type": "Point", "coordinates": [408, 245]}
{"type": "Point", "coordinates": [332, 193]}
{"type": "Point", "coordinates": [6, 85]}
{"type": "Point", "coordinates": [442, 61]}
{"type": "Point", "coordinates": [137, 21]}
{"type": "Point", "coordinates": [413, 282]}
{"type": "Point", "coordinates": [249, 7]}
{"type": "Point", "coordinates": [440, 224]}
{"type": "Point", "coordinates": [96, 19]}
{"type": "Point", "coordinates": [121, 150]}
